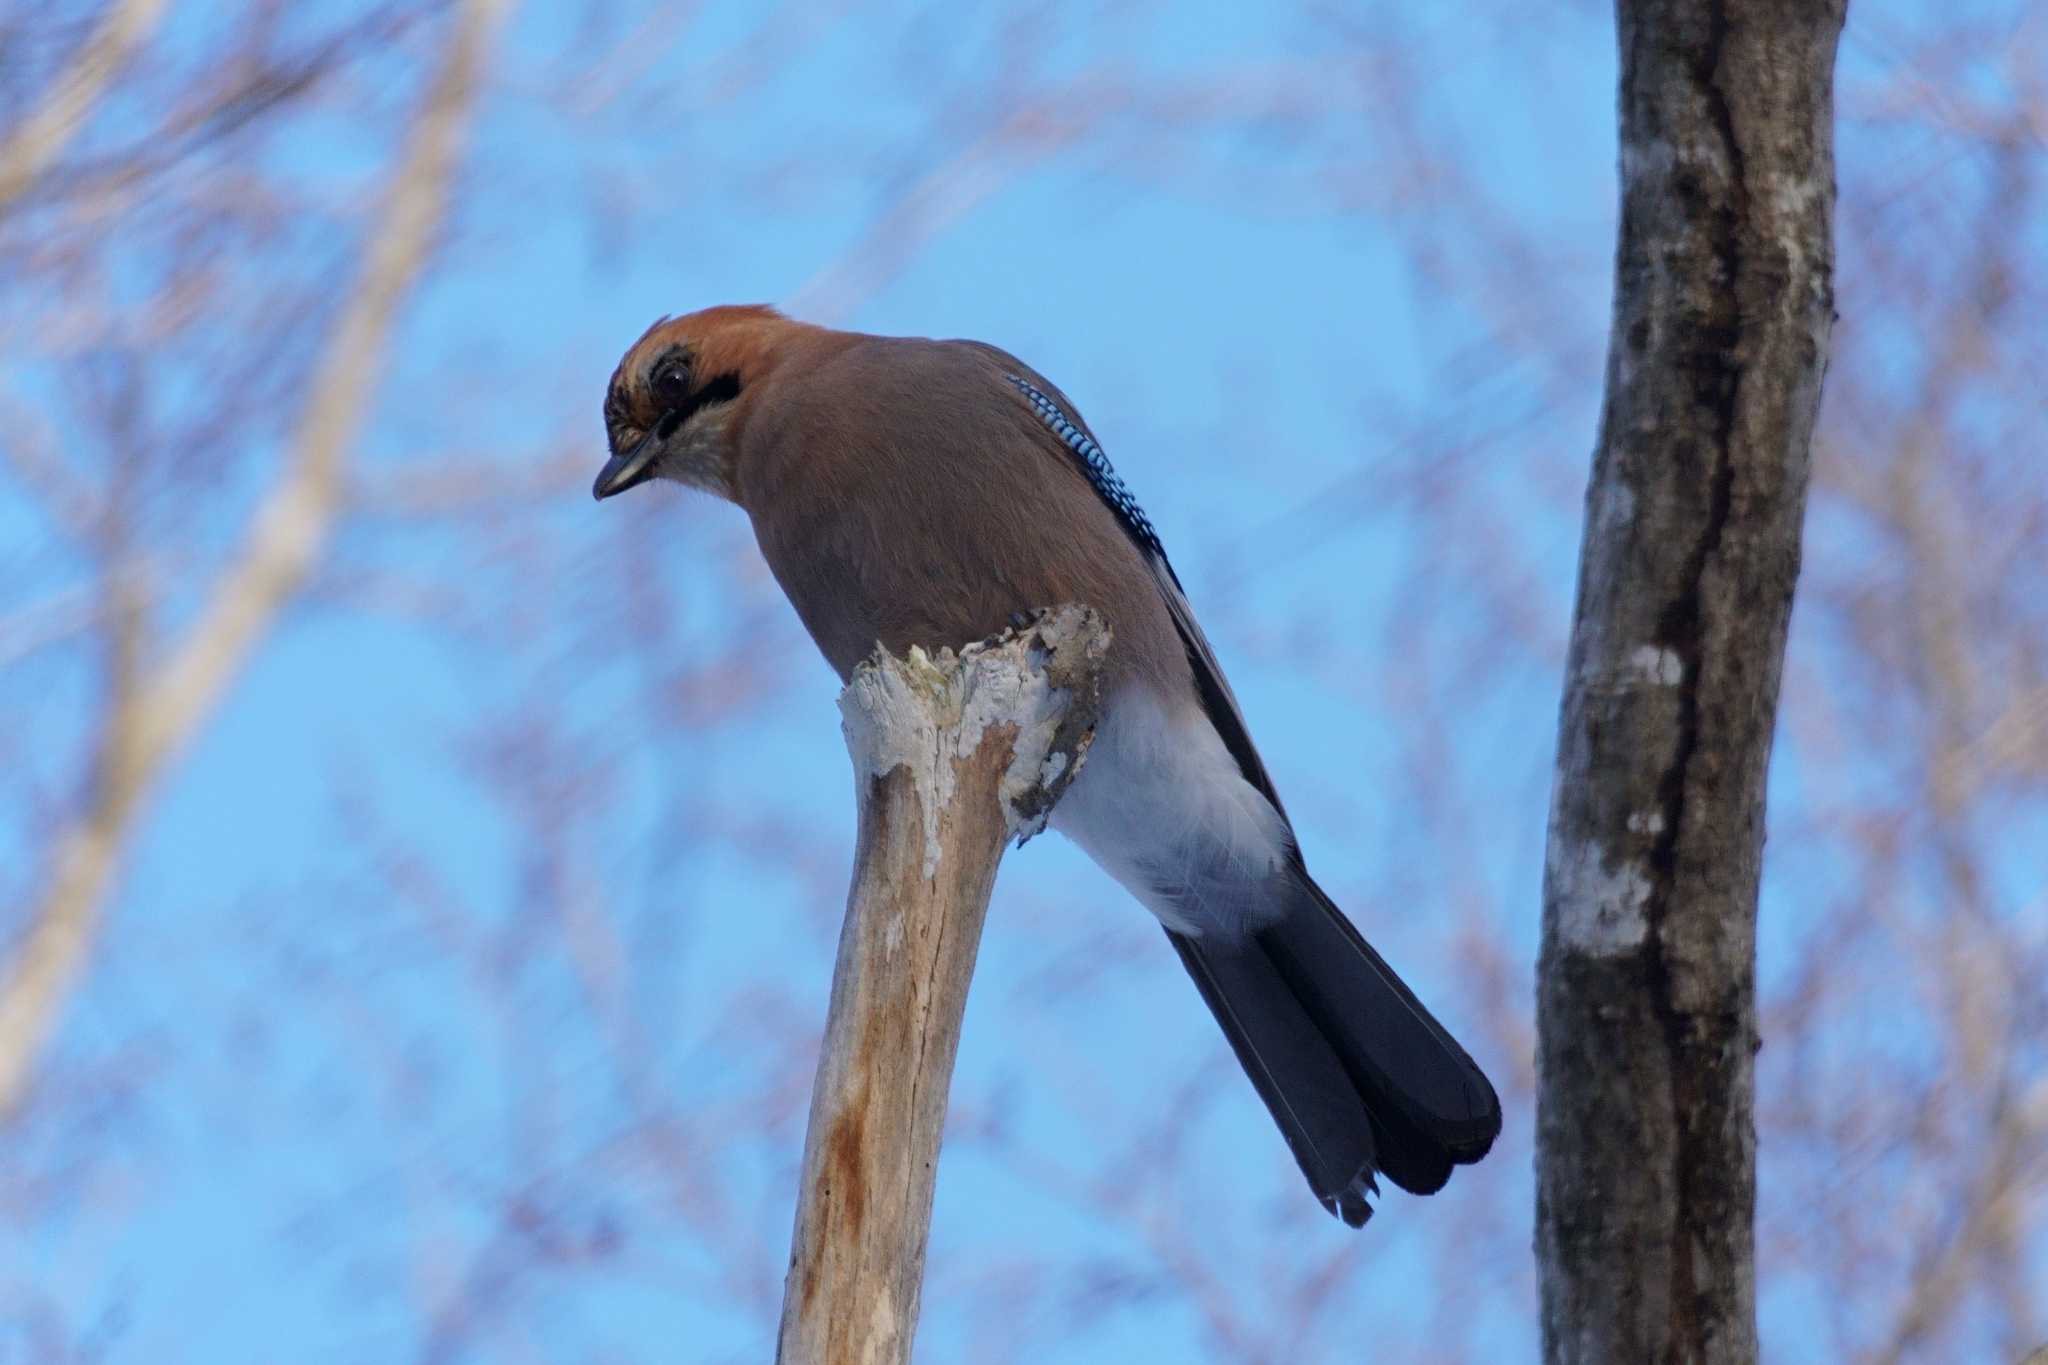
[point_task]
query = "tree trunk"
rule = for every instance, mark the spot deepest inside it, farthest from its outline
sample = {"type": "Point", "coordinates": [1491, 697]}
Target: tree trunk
{"type": "Point", "coordinates": [1646, 1012]}
{"type": "Point", "coordinates": [952, 757]}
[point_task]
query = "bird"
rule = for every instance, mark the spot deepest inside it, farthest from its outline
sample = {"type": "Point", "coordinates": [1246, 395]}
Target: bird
{"type": "Point", "coordinates": [908, 491]}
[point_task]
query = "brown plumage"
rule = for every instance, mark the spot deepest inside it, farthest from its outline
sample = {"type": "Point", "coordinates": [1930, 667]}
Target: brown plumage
{"type": "Point", "coordinates": [867, 540]}
{"type": "Point", "coordinates": [907, 491]}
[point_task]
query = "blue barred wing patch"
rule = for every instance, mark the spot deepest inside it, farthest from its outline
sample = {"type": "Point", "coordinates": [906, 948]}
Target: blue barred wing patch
{"type": "Point", "coordinates": [1208, 674]}
{"type": "Point", "coordinates": [1095, 465]}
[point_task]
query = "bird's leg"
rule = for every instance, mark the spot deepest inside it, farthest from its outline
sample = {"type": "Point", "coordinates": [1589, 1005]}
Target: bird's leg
{"type": "Point", "coordinates": [1020, 621]}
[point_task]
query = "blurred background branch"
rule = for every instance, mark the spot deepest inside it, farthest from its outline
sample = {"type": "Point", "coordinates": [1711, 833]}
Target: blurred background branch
{"type": "Point", "coordinates": [155, 704]}
{"type": "Point", "coordinates": [40, 139]}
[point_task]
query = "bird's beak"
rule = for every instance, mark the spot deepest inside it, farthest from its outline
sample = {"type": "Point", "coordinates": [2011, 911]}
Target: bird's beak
{"type": "Point", "coordinates": [627, 468]}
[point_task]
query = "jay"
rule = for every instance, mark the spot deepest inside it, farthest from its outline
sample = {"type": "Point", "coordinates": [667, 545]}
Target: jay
{"type": "Point", "coordinates": [907, 491]}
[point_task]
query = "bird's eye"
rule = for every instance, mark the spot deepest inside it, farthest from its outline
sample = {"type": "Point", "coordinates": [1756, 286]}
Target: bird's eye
{"type": "Point", "coordinates": [672, 385]}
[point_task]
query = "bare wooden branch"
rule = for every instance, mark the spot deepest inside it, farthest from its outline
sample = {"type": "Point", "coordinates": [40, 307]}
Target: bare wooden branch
{"type": "Point", "coordinates": [1646, 1135]}
{"type": "Point", "coordinates": [148, 722]}
{"type": "Point", "coordinates": [41, 137]}
{"type": "Point", "coordinates": [952, 757]}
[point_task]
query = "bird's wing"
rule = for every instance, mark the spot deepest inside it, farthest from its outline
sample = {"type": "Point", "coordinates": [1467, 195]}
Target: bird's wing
{"type": "Point", "coordinates": [1217, 698]}
{"type": "Point", "coordinates": [1061, 419]}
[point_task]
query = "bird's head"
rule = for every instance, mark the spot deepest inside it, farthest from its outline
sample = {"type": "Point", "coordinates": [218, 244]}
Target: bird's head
{"type": "Point", "coordinates": [672, 406]}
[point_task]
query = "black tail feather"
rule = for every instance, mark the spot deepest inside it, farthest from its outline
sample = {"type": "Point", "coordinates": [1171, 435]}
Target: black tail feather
{"type": "Point", "coordinates": [1358, 1075]}
{"type": "Point", "coordinates": [1296, 1072]}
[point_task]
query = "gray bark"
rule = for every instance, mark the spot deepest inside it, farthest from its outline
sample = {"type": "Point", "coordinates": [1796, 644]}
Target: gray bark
{"type": "Point", "coordinates": [1646, 1012]}
{"type": "Point", "coordinates": [952, 757]}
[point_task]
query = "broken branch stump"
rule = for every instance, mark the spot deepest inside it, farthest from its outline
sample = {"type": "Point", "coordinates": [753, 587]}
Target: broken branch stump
{"type": "Point", "coordinates": [952, 757]}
